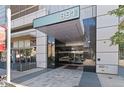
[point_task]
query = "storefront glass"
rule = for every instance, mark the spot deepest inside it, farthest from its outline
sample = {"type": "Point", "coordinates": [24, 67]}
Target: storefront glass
{"type": "Point", "coordinates": [51, 52]}
{"type": "Point", "coordinates": [23, 52]}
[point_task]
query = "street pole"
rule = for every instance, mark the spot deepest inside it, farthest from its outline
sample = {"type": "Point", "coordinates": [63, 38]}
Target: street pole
{"type": "Point", "coordinates": [8, 45]}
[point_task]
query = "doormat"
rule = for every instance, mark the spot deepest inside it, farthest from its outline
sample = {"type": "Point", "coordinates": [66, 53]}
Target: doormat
{"type": "Point", "coordinates": [89, 69]}
{"type": "Point", "coordinates": [71, 67]}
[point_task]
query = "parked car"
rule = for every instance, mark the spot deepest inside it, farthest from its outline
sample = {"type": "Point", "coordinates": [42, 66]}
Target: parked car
{"type": "Point", "coordinates": [65, 59]}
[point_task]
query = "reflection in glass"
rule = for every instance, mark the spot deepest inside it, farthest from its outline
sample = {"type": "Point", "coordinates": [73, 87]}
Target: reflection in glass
{"type": "Point", "coordinates": [90, 36]}
{"type": "Point", "coordinates": [51, 52]}
{"type": "Point", "coordinates": [23, 58]}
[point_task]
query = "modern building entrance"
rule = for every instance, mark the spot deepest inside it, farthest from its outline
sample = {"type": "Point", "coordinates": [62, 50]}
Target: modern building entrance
{"type": "Point", "coordinates": [68, 41]}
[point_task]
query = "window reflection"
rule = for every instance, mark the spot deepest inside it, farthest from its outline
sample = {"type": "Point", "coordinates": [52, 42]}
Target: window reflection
{"type": "Point", "coordinates": [51, 52]}
{"type": "Point", "coordinates": [23, 54]}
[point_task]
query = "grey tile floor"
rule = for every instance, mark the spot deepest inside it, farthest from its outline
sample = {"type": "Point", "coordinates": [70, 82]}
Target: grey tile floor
{"type": "Point", "coordinates": [29, 76]}
{"type": "Point", "coordinates": [108, 80]}
{"type": "Point", "coordinates": [61, 77]}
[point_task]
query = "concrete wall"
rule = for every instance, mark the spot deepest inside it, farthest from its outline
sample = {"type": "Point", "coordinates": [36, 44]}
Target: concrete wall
{"type": "Point", "coordinates": [107, 56]}
{"type": "Point", "coordinates": [87, 11]}
{"type": "Point", "coordinates": [28, 19]}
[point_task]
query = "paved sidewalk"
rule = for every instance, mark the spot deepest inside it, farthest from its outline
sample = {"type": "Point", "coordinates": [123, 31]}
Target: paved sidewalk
{"type": "Point", "coordinates": [111, 80]}
{"type": "Point", "coordinates": [17, 74]}
{"type": "Point", "coordinates": [29, 76]}
{"type": "Point", "coordinates": [59, 77]}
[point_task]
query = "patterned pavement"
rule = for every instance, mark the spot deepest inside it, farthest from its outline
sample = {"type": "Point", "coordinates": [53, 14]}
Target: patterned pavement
{"type": "Point", "coordinates": [61, 77]}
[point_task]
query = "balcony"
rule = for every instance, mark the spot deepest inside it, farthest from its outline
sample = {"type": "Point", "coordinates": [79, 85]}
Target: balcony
{"type": "Point", "coordinates": [28, 19]}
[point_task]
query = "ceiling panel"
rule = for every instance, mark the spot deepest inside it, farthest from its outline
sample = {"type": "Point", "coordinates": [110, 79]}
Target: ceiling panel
{"type": "Point", "coordinates": [66, 32]}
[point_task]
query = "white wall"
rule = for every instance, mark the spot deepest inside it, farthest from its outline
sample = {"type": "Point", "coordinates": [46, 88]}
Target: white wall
{"type": "Point", "coordinates": [27, 19]}
{"type": "Point", "coordinates": [106, 27]}
{"type": "Point", "coordinates": [41, 50]}
{"type": "Point", "coordinates": [87, 11]}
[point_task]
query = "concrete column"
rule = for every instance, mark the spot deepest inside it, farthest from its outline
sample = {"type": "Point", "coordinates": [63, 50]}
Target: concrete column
{"type": "Point", "coordinates": [41, 49]}
{"type": "Point", "coordinates": [8, 45]}
{"type": "Point", "coordinates": [106, 55]}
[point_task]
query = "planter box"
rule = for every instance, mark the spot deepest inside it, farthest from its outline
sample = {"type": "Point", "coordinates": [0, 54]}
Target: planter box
{"type": "Point", "coordinates": [26, 66]}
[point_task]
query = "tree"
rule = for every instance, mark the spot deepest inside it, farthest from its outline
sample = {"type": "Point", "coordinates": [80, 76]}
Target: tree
{"type": "Point", "coordinates": [118, 37]}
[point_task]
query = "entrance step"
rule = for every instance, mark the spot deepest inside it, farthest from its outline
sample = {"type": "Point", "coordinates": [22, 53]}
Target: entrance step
{"type": "Point", "coordinates": [74, 66]}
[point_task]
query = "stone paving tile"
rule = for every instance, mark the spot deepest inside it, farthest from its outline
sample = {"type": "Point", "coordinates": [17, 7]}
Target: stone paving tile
{"type": "Point", "coordinates": [111, 80]}
{"type": "Point", "coordinates": [108, 80]}
{"type": "Point", "coordinates": [56, 78]}
{"type": "Point", "coordinates": [61, 77]}
{"type": "Point", "coordinates": [16, 74]}
{"type": "Point", "coordinates": [26, 77]}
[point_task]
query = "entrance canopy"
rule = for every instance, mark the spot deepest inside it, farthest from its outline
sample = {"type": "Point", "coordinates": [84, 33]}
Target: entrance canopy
{"type": "Point", "coordinates": [65, 32]}
{"type": "Point", "coordinates": [64, 25]}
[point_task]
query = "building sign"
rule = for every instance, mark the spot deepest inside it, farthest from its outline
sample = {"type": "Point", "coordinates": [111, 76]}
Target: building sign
{"type": "Point", "coordinates": [3, 21]}
{"type": "Point", "coordinates": [2, 38]}
{"type": "Point", "coordinates": [69, 14]}
{"type": "Point", "coordinates": [65, 15]}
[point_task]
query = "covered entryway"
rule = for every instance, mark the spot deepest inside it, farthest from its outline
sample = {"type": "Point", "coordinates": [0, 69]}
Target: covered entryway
{"type": "Point", "coordinates": [66, 38]}
{"type": "Point", "coordinates": [68, 43]}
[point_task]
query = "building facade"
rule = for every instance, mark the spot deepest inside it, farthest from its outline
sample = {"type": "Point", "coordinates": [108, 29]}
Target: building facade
{"type": "Point", "coordinates": [50, 36]}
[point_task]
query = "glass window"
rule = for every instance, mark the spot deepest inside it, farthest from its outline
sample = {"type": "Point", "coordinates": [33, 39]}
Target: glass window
{"type": "Point", "coordinates": [51, 51]}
